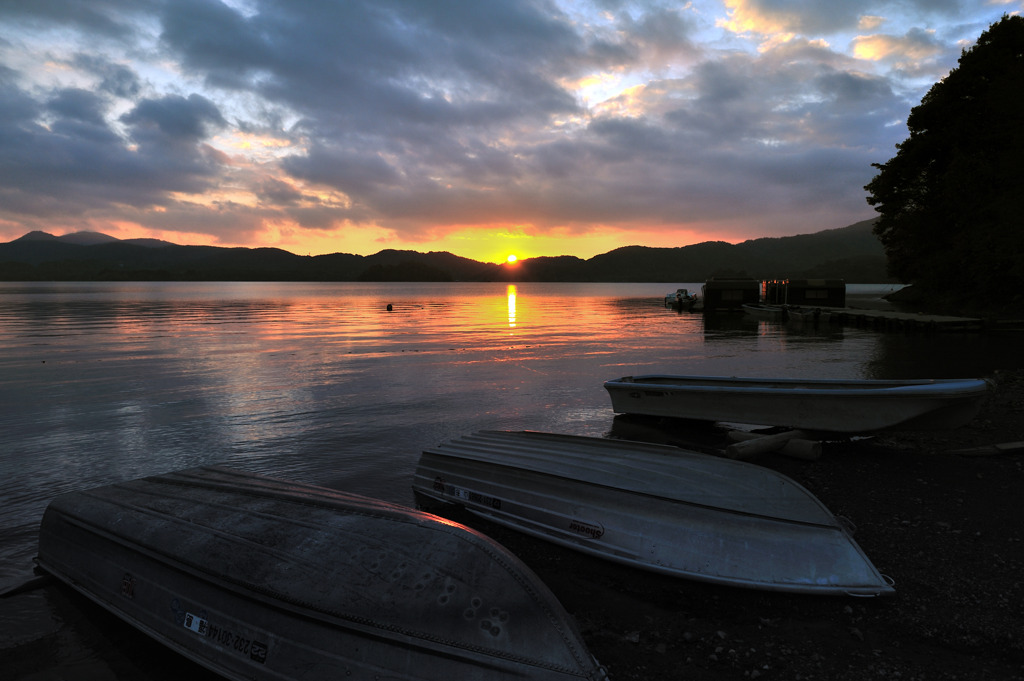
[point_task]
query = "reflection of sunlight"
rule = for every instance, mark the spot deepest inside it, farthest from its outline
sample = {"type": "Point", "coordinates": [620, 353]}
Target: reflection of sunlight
{"type": "Point", "coordinates": [511, 306]}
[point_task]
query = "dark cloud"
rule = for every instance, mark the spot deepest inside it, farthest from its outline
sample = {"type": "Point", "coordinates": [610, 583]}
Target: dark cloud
{"type": "Point", "coordinates": [852, 89]}
{"type": "Point", "coordinates": [77, 163]}
{"type": "Point", "coordinates": [117, 80]}
{"type": "Point", "coordinates": [663, 36]}
{"type": "Point", "coordinates": [80, 105]}
{"type": "Point", "coordinates": [17, 107]}
{"type": "Point", "coordinates": [276, 192]}
{"type": "Point", "coordinates": [379, 62]}
{"type": "Point", "coordinates": [174, 119]}
{"type": "Point", "coordinates": [218, 43]}
{"type": "Point", "coordinates": [106, 18]}
{"type": "Point", "coordinates": [355, 174]}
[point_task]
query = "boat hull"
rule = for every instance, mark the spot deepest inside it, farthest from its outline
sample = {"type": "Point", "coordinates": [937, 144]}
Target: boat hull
{"type": "Point", "coordinates": [652, 507]}
{"type": "Point", "coordinates": [831, 406]}
{"type": "Point", "coordinates": [807, 316]}
{"type": "Point", "coordinates": [255, 578]}
{"type": "Point", "coordinates": [771, 313]}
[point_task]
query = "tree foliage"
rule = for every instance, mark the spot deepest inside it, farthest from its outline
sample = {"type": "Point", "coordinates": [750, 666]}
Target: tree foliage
{"type": "Point", "coordinates": [951, 201]}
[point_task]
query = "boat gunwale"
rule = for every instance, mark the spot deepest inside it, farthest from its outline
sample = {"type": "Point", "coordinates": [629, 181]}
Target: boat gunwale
{"type": "Point", "coordinates": [884, 586]}
{"type": "Point", "coordinates": [800, 387]}
{"type": "Point", "coordinates": [718, 509]}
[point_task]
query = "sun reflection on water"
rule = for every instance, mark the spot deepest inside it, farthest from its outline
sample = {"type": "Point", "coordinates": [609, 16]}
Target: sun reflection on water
{"type": "Point", "coordinates": [511, 306]}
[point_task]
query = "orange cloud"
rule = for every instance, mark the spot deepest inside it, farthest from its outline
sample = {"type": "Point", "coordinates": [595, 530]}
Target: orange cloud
{"type": "Point", "coordinates": [252, 148]}
{"type": "Point", "coordinates": [745, 17]}
{"type": "Point", "coordinates": [869, 22]}
{"type": "Point", "coordinates": [913, 47]}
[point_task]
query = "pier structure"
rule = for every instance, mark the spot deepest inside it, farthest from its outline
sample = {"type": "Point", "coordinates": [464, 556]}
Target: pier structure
{"type": "Point", "coordinates": [892, 320]}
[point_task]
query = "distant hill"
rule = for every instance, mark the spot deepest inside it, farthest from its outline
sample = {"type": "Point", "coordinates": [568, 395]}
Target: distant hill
{"type": "Point", "coordinates": [852, 253]}
{"type": "Point", "coordinates": [792, 256]}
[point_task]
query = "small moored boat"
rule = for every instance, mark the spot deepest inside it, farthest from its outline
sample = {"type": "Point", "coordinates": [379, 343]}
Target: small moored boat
{"type": "Point", "coordinates": [825, 405]}
{"type": "Point", "coordinates": [653, 507]}
{"type": "Point", "coordinates": [681, 299]}
{"type": "Point", "coordinates": [771, 313]}
{"type": "Point", "coordinates": [257, 578]}
{"type": "Point", "coordinates": [807, 316]}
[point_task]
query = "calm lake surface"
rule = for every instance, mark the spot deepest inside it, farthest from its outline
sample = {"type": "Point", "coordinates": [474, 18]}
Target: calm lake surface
{"type": "Point", "coordinates": [101, 382]}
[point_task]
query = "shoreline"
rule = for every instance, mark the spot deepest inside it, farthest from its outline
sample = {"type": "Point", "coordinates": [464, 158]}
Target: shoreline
{"type": "Point", "coordinates": [943, 524]}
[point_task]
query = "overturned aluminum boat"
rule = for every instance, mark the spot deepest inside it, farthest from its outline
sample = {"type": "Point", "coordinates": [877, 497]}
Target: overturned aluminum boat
{"type": "Point", "coordinates": [256, 578]}
{"type": "Point", "coordinates": [826, 405]}
{"type": "Point", "coordinates": [654, 507]}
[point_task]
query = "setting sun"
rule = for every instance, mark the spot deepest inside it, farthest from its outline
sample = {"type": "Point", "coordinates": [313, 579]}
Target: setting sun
{"type": "Point", "coordinates": [511, 259]}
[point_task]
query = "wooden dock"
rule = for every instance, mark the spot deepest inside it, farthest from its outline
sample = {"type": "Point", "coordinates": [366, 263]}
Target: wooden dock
{"type": "Point", "coordinates": [891, 320]}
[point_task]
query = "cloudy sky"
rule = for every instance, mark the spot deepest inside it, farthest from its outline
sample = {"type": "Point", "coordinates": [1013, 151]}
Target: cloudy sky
{"type": "Point", "coordinates": [480, 127]}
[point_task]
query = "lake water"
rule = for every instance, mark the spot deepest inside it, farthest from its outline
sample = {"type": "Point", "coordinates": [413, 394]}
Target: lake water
{"type": "Point", "coordinates": [319, 383]}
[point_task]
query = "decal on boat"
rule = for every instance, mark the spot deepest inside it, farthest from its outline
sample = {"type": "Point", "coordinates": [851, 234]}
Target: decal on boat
{"type": "Point", "coordinates": [256, 650]}
{"type": "Point", "coordinates": [196, 624]}
{"type": "Point", "coordinates": [592, 530]}
{"type": "Point", "coordinates": [128, 586]}
{"type": "Point", "coordinates": [472, 497]}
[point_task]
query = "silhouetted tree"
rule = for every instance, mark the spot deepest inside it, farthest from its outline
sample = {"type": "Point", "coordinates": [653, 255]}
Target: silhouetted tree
{"type": "Point", "coordinates": [952, 199]}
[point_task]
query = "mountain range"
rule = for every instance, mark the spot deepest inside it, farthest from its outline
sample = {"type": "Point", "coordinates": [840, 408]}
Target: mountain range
{"type": "Point", "coordinates": [852, 253]}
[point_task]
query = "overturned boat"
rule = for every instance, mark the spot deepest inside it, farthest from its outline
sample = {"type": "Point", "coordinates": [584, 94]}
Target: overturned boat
{"type": "Point", "coordinates": [653, 507]}
{"type": "Point", "coordinates": [256, 578]}
{"type": "Point", "coordinates": [825, 405]}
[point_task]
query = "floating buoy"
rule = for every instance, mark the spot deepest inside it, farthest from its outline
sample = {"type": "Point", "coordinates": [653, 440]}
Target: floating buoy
{"type": "Point", "coordinates": [389, 307]}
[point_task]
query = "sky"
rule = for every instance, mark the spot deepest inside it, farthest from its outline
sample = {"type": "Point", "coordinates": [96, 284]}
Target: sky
{"type": "Point", "coordinates": [479, 127]}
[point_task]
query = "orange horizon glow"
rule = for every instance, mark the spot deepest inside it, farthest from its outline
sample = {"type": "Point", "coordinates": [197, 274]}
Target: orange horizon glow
{"type": "Point", "coordinates": [486, 243]}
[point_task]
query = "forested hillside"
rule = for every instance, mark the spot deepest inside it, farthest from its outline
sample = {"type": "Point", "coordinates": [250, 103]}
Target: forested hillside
{"type": "Point", "coordinates": [852, 253]}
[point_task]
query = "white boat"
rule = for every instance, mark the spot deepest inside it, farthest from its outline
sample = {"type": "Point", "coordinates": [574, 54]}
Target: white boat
{"type": "Point", "coordinates": [771, 313]}
{"type": "Point", "coordinates": [807, 316]}
{"type": "Point", "coordinates": [653, 507]}
{"type": "Point", "coordinates": [825, 405]}
{"type": "Point", "coordinates": [256, 578]}
{"type": "Point", "coordinates": [680, 299]}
